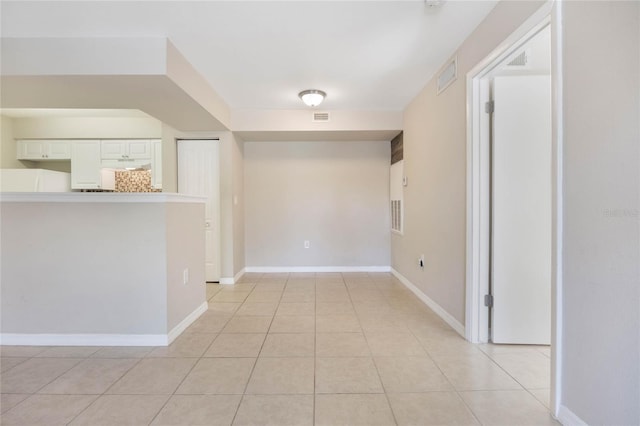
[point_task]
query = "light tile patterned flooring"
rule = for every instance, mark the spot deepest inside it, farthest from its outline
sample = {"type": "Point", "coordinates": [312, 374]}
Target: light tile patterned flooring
{"type": "Point", "coordinates": [287, 349]}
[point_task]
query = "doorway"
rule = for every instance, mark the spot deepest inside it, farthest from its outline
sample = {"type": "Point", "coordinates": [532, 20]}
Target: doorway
{"type": "Point", "coordinates": [479, 188]}
{"type": "Point", "coordinates": [199, 175]}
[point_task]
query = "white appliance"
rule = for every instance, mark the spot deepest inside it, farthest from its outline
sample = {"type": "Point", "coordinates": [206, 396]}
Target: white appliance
{"type": "Point", "coordinates": [34, 180]}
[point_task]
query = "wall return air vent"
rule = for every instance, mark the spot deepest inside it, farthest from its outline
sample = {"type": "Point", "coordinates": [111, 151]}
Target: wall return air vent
{"type": "Point", "coordinates": [448, 75]}
{"type": "Point", "coordinates": [320, 117]}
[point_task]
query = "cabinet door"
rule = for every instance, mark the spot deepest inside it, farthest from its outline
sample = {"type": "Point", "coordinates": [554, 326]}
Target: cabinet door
{"type": "Point", "coordinates": [58, 150]}
{"type": "Point", "coordinates": [113, 150]}
{"type": "Point", "coordinates": [156, 164]}
{"type": "Point", "coordinates": [138, 149]}
{"type": "Point", "coordinates": [31, 150]}
{"type": "Point", "coordinates": [85, 165]}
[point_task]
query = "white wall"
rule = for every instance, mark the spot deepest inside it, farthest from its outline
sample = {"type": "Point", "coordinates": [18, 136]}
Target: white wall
{"type": "Point", "coordinates": [601, 276]}
{"type": "Point", "coordinates": [335, 195]}
{"type": "Point", "coordinates": [435, 164]}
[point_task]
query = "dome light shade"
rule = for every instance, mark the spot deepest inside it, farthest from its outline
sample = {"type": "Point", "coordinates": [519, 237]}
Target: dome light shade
{"type": "Point", "coordinates": [312, 97]}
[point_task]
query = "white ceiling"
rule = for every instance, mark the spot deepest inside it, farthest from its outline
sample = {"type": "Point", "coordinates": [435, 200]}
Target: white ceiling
{"type": "Point", "coordinates": [70, 112]}
{"type": "Point", "coordinates": [367, 55]}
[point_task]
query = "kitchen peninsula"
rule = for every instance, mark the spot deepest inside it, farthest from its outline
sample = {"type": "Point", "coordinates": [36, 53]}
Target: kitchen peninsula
{"type": "Point", "coordinates": [106, 269]}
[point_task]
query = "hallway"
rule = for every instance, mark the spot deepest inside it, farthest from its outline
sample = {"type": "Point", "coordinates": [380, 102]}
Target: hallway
{"type": "Point", "coordinates": [287, 349]}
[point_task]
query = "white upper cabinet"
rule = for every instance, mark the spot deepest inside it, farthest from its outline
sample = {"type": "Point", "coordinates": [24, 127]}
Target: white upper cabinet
{"type": "Point", "coordinates": [123, 149]}
{"type": "Point", "coordinates": [156, 163]}
{"type": "Point", "coordinates": [43, 150]}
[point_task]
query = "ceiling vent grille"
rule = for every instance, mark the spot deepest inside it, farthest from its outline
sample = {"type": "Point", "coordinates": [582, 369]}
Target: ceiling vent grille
{"type": "Point", "coordinates": [448, 75]}
{"type": "Point", "coordinates": [519, 61]}
{"type": "Point", "coordinates": [320, 117]}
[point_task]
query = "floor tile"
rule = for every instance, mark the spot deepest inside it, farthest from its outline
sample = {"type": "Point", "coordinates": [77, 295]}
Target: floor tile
{"type": "Point", "coordinates": [382, 322]}
{"type": "Point", "coordinates": [183, 410]}
{"type": "Point", "coordinates": [352, 410]}
{"type": "Point", "coordinates": [343, 323]}
{"type": "Point", "coordinates": [35, 373]}
{"type": "Point", "coordinates": [110, 410]}
{"type": "Point", "coordinates": [218, 376]}
{"type": "Point", "coordinates": [248, 324]}
{"type": "Point", "coordinates": [230, 296]}
{"type": "Point", "coordinates": [246, 287]}
{"type": "Point", "coordinates": [474, 372]}
{"type": "Point", "coordinates": [209, 322]}
{"type": "Point", "coordinates": [334, 308]}
{"type": "Point", "coordinates": [341, 344]}
{"type": "Point", "coordinates": [153, 376]}
{"type": "Point", "coordinates": [21, 351]}
{"type": "Point", "coordinates": [347, 375]}
{"type": "Point", "coordinates": [296, 308]}
{"type": "Point", "coordinates": [91, 376]}
{"type": "Point", "coordinates": [432, 408]}
{"type": "Point", "coordinates": [239, 345]}
{"type": "Point", "coordinates": [293, 324]}
{"type": "Point", "coordinates": [264, 297]}
{"type": "Point", "coordinates": [254, 308]}
{"type": "Point", "coordinates": [411, 374]}
{"type": "Point", "coordinates": [123, 352]}
{"type": "Point", "coordinates": [531, 369]}
{"type": "Point", "coordinates": [323, 295]}
{"type": "Point", "coordinates": [9, 363]}
{"type": "Point", "coordinates": [69, 352]}
{"type": "Point", "coordinates": [507, 408]}
{"type": "Point", "coordinates": [275, 410]}
{"type": "Point", "coordinates": [188, 345]}
{"type": "Point", "coordinates": [298, 297]}
{"type": "Point", "coordinates": [223, 308]}
{"type": "Point", "coordinates": [288, 345]}
{"type": "Point", "coordinates": [542, 395]}
{"type": "Point", "coordinates": [47, 410]}
{"type": "Point", "coordinates": [393, 343]}
{"type": "Point", "coordinates": [282, 376]}
{"type": "Point", "coordinates": [10, 400]}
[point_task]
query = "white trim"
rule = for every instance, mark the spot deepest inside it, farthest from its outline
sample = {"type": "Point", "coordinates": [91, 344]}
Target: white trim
{"type": "Point", "coordinates": [13, 339]}
{"type": "Point", "coordinates": [186, 322]}
{"type": "Point", "coordinates": [557, 212]}
{"type": "Point", "coordinates": [267, 269]}
{"type": "Point", "coordinates": [97, 197]}
{"type": "Point", "coordinates": [442, 313]}
{"type": "Point", "coordinates": [232, 280]}
{"type": "Point", "coordinates": [569, 418]}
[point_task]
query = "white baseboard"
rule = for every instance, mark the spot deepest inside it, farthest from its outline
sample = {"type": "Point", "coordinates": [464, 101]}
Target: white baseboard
{"type": "Point", "coordinates": [266, 269]}
{"type": "Point", "coordinates": [14, 339]}
{"type": "Point", "coordinates": [569, 418]}
{"type": "Point", "coordinates": [454, 323]}
{"type": "Point", "coordinates": [189, 319]}
{"type": "Point", "coordinates": [235, 279]}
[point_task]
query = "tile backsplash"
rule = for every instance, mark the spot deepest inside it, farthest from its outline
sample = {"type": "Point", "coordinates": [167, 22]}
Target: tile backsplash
{"type": "Point", "coordinates": [134, 181]}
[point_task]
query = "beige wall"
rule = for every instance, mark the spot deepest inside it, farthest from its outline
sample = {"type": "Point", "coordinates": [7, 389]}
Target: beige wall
{"type": "Point", "coordinates": [435, 164]}
{"type": "Point", "coordinates": [238, 204]}
{"type": "Point", "coordinates": [336, 195]}
{"type": "Point", "coordinates": [601, 256]}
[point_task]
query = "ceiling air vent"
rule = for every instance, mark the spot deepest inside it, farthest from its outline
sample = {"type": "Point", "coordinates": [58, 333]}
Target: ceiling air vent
{"type": "Point", "coordinates": [320, 117]}
{"type": "Point", "coordinates": [448, 75]}
{"type": "Point", "coordinates": [519, 61]}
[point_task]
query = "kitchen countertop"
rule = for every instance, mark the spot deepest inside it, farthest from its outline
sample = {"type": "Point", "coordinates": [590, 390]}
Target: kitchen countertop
{"type": "Point", "coordinates": [98, 197]}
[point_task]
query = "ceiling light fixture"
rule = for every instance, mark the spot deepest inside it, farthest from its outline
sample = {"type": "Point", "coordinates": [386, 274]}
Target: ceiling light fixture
{"type": "Point", "coordinates": [312, 97]}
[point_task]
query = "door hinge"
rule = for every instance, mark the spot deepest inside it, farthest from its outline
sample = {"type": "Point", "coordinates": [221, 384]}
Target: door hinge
{"type": "Point", "coordinates": [488, 300]}
{"type": "Point", "coordinates": [489, 107]}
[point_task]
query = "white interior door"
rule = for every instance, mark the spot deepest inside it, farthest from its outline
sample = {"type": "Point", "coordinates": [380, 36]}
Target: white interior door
{"type": "Point", "coordinates": [198, 174]}
{"type": "Point", "coordinates": [521, 210]}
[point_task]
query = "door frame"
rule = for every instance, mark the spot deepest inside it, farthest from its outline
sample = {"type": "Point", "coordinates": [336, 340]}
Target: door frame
{"type": "Point", "coordinates": [478, 186]}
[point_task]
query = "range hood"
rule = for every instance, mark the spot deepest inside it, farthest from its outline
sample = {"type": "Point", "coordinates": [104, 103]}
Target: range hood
{"type": "Point", "coordinates": [126, 164]}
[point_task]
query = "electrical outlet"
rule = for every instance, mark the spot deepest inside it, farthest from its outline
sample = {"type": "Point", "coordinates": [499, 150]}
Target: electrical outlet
{"type": "Point", "coordinates": [306, 243]}
{"type": "Point", "coordinates": [185, 276]}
